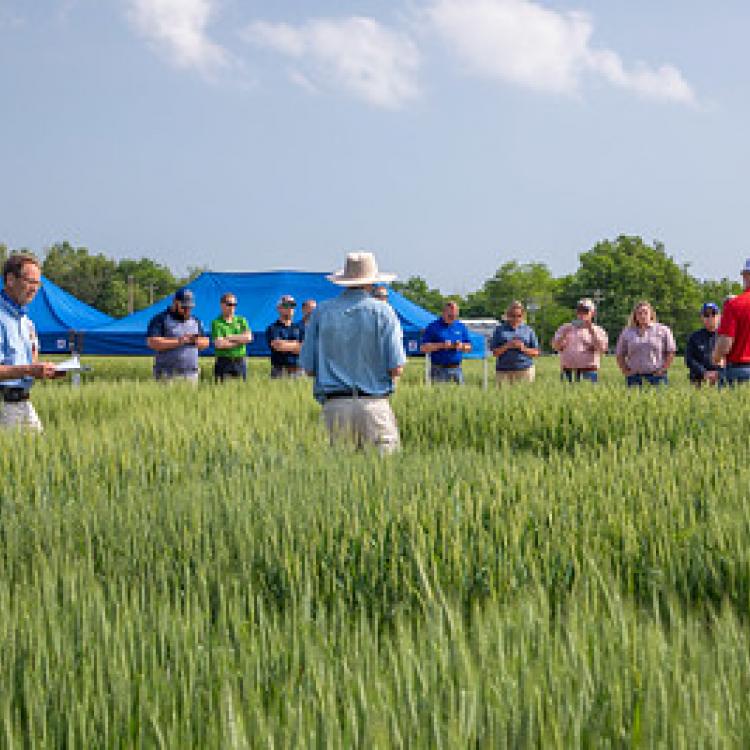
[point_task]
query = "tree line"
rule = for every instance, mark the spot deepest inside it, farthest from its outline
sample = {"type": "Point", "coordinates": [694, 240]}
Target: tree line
{"type": "Point", "coordinates": [114, 287]}
{"type": "Point", "coordinates": [616, 273]}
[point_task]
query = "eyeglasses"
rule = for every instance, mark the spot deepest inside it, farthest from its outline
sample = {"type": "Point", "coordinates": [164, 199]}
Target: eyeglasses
{"type": "Point", "coordinates": [710, 314]}
{"type": "Point", "coordinates": [583, 309]}
{"type": "Point", "coordinates": [288, 306]}
{"type": "Point", "coordinates": [229, 304]}
{"type": "Point", "coordinates": [29, 280]}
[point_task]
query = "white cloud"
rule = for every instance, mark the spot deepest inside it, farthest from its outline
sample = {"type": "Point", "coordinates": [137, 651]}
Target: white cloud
{"type": "Point", "coordinates": [179, 29]}
{"type": "Point", "coordinates": [357, 54]}
{"type": "Point", "coordinates": [525, 43]}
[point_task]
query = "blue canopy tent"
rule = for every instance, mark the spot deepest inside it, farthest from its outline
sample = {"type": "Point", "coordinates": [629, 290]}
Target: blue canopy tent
{"type": "Point", "coordinates": [61, 320]}
{"type": "Point", "coordinates": [257, 295]}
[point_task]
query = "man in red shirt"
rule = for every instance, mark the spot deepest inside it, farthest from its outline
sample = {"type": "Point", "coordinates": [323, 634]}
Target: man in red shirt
{"type": "Point", "coordinates": [733, 339]}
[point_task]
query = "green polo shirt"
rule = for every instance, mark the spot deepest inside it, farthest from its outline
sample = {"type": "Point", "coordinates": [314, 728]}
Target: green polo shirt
{"type": "Point", "coordinates": [221, 328]}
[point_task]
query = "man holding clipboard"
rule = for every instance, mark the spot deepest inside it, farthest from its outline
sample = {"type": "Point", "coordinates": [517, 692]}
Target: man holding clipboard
{"type": "Point", "coordinates": [22, 278]}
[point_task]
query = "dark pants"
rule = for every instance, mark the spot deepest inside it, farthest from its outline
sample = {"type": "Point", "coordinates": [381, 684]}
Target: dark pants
{"type": "Point", "coordinates": [576, 376]}
{"type": "Point", "coordinates": [446, 375]}
{"type": "Point", "coordinates": [282, 371]}
{"type": "Point", "coordinates": [230, 367]}
{"type": "Point", "coordinates": [639, 380]}
{"type": "Point", "coordinates": [735, 374]}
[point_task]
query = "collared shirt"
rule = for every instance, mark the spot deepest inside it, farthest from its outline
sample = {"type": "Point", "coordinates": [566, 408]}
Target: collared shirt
{"type": "Point", "coordinates": [439, 332]}
{"type": "Point", "coordinates": [735, 322]}
{"type": "Point", "coordinates": [220, 328]}
{"type": "Point", "coordinates": [700, 345]}
{"type": "Point", "coordinates": [584, 347]}
{"type": "Point", "coordinates": [645, 351]}
{"type": "Point", "coordinates": [514, 359]}
{"type": "Point", "coordinates": [16, 339]}
{"type": "Point", "coordinates": [183, 359]}
{"type": "Point", "coordinates": [352, 341]}
{"type": "Point", "coordinates": [292, 332]}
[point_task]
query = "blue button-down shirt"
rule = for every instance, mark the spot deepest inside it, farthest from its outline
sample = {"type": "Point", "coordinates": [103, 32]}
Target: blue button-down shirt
{"type": "Point", "coordinates": [352, 341]}
{"type": "Point", "coordinates": [513, 359]}
{"type": "Point", "coordinates": [16, 334]}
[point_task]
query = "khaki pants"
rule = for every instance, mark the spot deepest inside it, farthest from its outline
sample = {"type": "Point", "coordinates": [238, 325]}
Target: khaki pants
{"type": "Point", "coordinates": [363, 420]}
{"type": "Point", "coordinates": [20, 416]}
{"type": "Point", "coordinates": [511, 377]}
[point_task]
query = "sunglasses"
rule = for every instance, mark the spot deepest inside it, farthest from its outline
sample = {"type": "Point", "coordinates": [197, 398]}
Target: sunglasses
{"type": "Point", "coordinates": [711, 314]}
{"type": "Point", "coordinates": [229, 304]}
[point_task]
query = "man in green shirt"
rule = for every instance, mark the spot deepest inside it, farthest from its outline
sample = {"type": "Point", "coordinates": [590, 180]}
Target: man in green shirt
{"type": "Point", "coordinates": [231, 334]}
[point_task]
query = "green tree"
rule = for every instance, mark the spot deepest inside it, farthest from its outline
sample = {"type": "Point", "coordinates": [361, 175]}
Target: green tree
{"type": "Point", "coordinates": [149, 281]}
{"type": "Point", "coordinates": [532, 284]}
{"type": "Point", "coordinates": [628, 270]}
{"type": "Point", "coordinates": [417, 290]}
{"type": "Point", "coordinates": [88, 277]}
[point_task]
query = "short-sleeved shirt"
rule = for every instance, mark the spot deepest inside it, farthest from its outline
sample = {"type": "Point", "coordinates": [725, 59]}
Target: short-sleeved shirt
{"type": "Point", "coordinates": [182, 360]}
{"type": "Point", "coordinates": [514, 359]}
{"type": "Point", "coordinates": [220, 328]}
{"type": "Point", "coordinates": [292, 332]}
{"type": "Point", "coordinates": [439, 332]}
{"type": "Point", "coordinates": [16, 339]}
{"type": "Point", "coordinates": [645, 351]}
{"type": "Point", "coordinates": [735, 322]}
{"type": "Point", "coordinates": [352, 342]}
{"type": "Point", "coordinates": [584, 348]}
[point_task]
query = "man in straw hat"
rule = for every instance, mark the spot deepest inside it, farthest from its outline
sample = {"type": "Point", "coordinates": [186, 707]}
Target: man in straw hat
{"type": "Point", "coordinates": [354, 349]}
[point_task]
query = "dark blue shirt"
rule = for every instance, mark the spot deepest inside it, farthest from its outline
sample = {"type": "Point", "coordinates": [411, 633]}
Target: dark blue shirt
{"type": "Point", "coordinates": [278, 330]}
{"type": "Point", "coordinates": [698, 353]}
{"type": "Point", "coordinates": [513, 359]}
{"type": "Point", "coordinates": [439, 332]}
{"type": "Point", "coordinates": [183, 359]}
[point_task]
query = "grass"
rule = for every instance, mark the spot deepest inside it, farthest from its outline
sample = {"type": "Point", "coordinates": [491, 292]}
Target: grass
{"type": "Point", "coordinates": [550, 566]}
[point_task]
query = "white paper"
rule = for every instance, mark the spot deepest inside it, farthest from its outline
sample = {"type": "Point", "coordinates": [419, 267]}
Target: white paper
{"type": "Point", "coordinates": [69, 365]}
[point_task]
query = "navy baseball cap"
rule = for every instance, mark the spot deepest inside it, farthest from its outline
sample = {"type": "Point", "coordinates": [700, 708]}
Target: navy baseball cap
{"type": "Point", "coordinates": [709, 307]}
{"type": "Point", "coordinates": [185, 297]}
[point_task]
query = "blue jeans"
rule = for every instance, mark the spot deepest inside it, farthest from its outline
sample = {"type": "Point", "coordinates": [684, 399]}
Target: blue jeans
{"type": "Point", "coordinates": [447, 375]}
{"type": "Point", "coordinates": [638, 380]}
{"type": "Point", "coordinates": [734, 374]}
{"type": "Point", "coordinates": [570, 376]}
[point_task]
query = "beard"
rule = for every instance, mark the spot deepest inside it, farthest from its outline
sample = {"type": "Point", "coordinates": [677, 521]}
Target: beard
{"type": "Point", "coordinates": [182, 314]}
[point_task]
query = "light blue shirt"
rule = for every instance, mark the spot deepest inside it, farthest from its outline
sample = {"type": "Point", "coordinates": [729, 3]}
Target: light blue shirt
{"type": "Point", "coordinates": [15, 340]}
{"type": "Point", "coordinates": [352, 341]}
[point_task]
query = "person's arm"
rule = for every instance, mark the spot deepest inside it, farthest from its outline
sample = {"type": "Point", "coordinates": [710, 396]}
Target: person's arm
{"type": "Point", "coordinates": [722, 348]}
{"type": "Point", "coordinates": [308, 352]}
{"type": "Point", "coordinates": [560, 340]}
{"type": "Point", "coordinates": [670, 349]}
{"type": "Point", "coordinates": [621, 354]}
{"type": "Point", "coordinates": [692, 358]}
{"type": "Point", "coordinates": [430, 343]}
{"type": "Point", "coordinates": [166, 343]}
{"type": "Point", "coordinates": [39, 370]}
{"type": "Point", "coordinates": [599, 339]}
{"type": "Point", "coordinates": [393, 343]}
{"type": "Point", "coordinates": [532, 350]}
{"type": "Point", "coordinates": [240, 338]}
{"type": "Point", "coordinates": [289, 347]}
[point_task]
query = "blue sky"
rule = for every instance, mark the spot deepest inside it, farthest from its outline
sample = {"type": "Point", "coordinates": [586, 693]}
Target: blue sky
{"type": "Point", "coordinates": [448, 136]}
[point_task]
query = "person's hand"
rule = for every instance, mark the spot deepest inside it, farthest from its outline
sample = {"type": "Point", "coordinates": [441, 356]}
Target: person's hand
{"type": "Point", "coordinates": [221, 342]}
{"type": "Point", "coordinates": [516, 344]}
{"type": "Point", "coordinates": [712, 376]}
{"type": "Point", "coordinates": [44, 371]}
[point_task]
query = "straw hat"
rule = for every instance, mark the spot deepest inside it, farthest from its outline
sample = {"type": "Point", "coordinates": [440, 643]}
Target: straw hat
{"type": "Point", "coordinates": [360, 269]}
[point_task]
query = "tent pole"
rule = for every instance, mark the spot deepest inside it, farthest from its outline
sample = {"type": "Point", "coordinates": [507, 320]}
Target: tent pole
{"type": "Point", "coordinates": [484, 377]}
{"type": "Point", "coordinates": [427, 368]}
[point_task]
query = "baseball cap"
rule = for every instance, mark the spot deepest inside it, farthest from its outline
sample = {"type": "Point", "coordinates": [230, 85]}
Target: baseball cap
{"type": "Point", "coordinates": [586, 302]}
{"type": "Point", "coordinates": [709, 307]}
{"type": "Point", "coordinates": [185, 297]}
{"type": "Point", "coordinates": [286, 300]}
